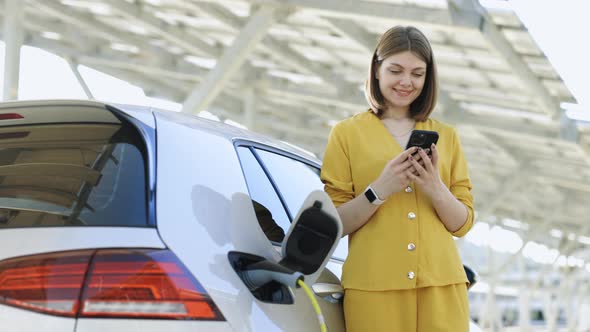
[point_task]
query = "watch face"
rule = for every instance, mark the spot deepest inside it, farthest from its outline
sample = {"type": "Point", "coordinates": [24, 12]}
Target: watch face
{"type": "Point", "coordinates": [370, 195]}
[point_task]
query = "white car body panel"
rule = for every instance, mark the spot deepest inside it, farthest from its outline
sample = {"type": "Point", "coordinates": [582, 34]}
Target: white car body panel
{"type": "Point", "coordinates": [28, 241]}
{"type": "Point", "coordinates": [149, 325]}
{"type": "Point", "coordinates": [19, 320]}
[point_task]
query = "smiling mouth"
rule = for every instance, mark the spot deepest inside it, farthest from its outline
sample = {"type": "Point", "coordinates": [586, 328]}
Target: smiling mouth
{"type": "Point", "coordinates": [402, 93]}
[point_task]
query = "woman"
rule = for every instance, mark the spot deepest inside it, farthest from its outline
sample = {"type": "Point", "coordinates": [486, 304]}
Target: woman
{"type": "Point", "coordinates": [401, 208]}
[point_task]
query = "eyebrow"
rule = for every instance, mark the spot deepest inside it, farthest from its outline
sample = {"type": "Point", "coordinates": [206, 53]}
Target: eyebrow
{"type": "Point", "coordinates": [397, 64]}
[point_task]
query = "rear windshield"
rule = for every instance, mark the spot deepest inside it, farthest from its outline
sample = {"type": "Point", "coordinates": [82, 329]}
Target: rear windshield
{"type": "Point", "coordinates": [73, 174]}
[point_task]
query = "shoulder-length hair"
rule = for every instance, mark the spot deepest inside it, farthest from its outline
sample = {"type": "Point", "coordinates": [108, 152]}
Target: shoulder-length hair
{"type": "Point", "coordinates": [396, 40]}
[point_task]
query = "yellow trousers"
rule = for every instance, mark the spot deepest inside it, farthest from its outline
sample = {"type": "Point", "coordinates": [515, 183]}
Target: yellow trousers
{"type": "Point", "coordinates": [429, 309]}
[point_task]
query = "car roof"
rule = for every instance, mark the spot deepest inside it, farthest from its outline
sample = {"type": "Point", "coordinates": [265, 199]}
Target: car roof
{"type": "Point", "coordinates": [226, 131]}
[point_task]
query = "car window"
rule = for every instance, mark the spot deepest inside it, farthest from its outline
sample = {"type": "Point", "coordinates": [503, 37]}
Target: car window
{"type": "Point", "coordinates": [295, 180]}
{"type": "Point", "coordinates": [75, 174]}
{"type": "Point", "coordinates": [267, 204]}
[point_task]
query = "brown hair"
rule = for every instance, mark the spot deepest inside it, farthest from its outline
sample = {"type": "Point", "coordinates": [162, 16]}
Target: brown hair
{"type": "Point", "coordinates": [396, 40]}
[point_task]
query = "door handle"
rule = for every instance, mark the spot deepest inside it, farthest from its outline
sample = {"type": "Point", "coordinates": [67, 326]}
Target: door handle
{"type": "Point", "coordinates": [330, 292]}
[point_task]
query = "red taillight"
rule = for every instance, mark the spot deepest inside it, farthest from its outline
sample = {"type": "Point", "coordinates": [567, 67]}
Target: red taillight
{"type": "Point", "coordinates": [106, 283]}
{"type": "Point", "coordinates": [45, 283]}
{"type": "Point", "coordinates": [10, 116]}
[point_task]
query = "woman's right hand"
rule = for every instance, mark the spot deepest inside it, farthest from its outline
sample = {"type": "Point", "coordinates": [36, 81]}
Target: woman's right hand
{"type": "Point", "coordinates": [393, 178]}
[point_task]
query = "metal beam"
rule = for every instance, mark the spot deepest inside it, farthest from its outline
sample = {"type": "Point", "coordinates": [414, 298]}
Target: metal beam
{"type": "Point", "coordinates": [231, 60]}
{"type": "Point", "coordinates": [295, 130]}
{"type": "Point", "coordinates": [95, 28]}
{"type": "Point", "coordinates": [280, 51]}
{"type": "Point", "coordinates": [568, 128]}
{"type": "Point", "coordinates": [364, 9]}
{"type": "Point", "coordinates": [505, 126]}
{"type": "Point", "coordinates": [368, 41]}
{"type": "Point", "coordinates": [13, 37]}
{"type": "Point", "coordinates": [566, 250]}
{"type": "Point", "coordinates": [355, 103]}
{"type": "Point", "coordinates": [135, 71]}
{"type": "Point", "coordinates": [354, 32]}
{"type": "Point", "coordinates": [249, 106]}
{"type": "Point", "coordinates": [287, 110]}
{"type": "Point", "coordinates": [81, 81]}
{"type": "Point", "coordinates": [104, 55]}
{"type": "Point", "coordinates": [164, 90]}
{"type": "Point", "coordinates": [277, 49]}
{"type": "Point", "coordinates": [171, 33]}
{"type": "Point", "coordinates": [86, 22]}
{"type": "Point", "coordinates": [521, 68]}
{"type": "Point", "coordinates": [173, 91]}
{"type": "Point", "coordinates": [132, 69]}
{"type": "Point", "coordinates": [470, 12]}
{"type": "Point", "coordinates": [508, 185]}
{"type": "Point", "coordinates": [506, 102]}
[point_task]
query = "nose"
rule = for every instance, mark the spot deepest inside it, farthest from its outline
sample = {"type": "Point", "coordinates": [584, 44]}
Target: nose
{"type": "Point", "coordinates": [405, 81]}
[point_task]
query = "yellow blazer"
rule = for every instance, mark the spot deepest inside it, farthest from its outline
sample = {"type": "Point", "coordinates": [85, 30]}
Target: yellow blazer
{"type": "Point", "coordinates": [404, 244]}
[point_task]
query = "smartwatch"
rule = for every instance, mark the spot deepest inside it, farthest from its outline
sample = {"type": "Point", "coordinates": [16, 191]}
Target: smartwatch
{"type": "Point", "coordinates": [371, 195]}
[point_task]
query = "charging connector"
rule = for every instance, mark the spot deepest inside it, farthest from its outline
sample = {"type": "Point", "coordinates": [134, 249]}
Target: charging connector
{"type": "Point", "coordinates": [259, 274]}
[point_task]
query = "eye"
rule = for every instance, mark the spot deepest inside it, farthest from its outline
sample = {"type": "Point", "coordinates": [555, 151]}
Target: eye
{"type": "Point", "coordinates": [418, 74]}
{"type": "Point", "coordinates": [396, 72]}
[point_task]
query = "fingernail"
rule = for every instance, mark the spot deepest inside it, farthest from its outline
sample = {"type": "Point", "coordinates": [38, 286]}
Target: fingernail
{"type": "Point", "coordinates": [433, 146]}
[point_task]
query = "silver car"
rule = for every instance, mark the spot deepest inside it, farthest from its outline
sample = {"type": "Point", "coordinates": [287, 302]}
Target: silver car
{"type": "Point", "coordinates": [120, 218]}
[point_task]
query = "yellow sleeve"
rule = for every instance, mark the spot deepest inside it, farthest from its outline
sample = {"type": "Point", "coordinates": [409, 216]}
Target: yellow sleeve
{"type": "Point", "coordinates": [460, 184]}
{"type": "Point", "coordinates": [336, 174]}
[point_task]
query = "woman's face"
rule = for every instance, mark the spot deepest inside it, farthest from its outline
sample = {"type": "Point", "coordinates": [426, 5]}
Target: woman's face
{"type": "Point", "coordinates": [401, 79]}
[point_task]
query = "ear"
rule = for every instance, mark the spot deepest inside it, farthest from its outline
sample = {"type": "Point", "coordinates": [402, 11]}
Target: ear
{"type": "Point", "coordinates": [376, 71]}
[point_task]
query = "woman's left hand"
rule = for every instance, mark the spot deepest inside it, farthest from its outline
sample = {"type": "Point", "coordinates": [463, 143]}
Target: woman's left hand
{"type": "Point", "coordinates": [426, 177]}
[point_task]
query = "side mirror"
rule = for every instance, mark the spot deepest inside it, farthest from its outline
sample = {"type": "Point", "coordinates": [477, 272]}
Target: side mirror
{"type": "Point", "coordinates": [312, 237]}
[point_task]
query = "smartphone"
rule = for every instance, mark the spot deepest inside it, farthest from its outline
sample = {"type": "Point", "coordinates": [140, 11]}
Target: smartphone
{"type": "Point", "coordinates": [423, 139]}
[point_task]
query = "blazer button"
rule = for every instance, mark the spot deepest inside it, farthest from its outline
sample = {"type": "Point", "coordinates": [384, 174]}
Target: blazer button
{"type": "Point", "coordinates": [411, 216]}
{"type": "Point", "coordinates": [411, 275]}
{"type": "Point", "coordinates": [409, 189]}
{"type": "Point", "coordinates": [411, 247]}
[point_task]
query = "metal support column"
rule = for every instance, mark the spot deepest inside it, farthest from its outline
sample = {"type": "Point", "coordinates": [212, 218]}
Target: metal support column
{"type": "Point", "coordinates": [524, 298]}
{"type": "Point", "coordinates": [231, 60]}
{"type": "Point", "coordinates": [568, 129]}
{"type": "Point", "coordinates": [490, 315]}
{"type": "Point", "coordinates": [249, 109]}
{"type": "Point", "coordinates": [13, 36]}
{"type": "Point", "coordinates": [74, 67]}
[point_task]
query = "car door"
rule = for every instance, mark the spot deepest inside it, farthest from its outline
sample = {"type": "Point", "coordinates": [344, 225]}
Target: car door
{"type": "Point", "coordinates": [280, 182]}
{"type": "Point", "coordinates": [205, 215]}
